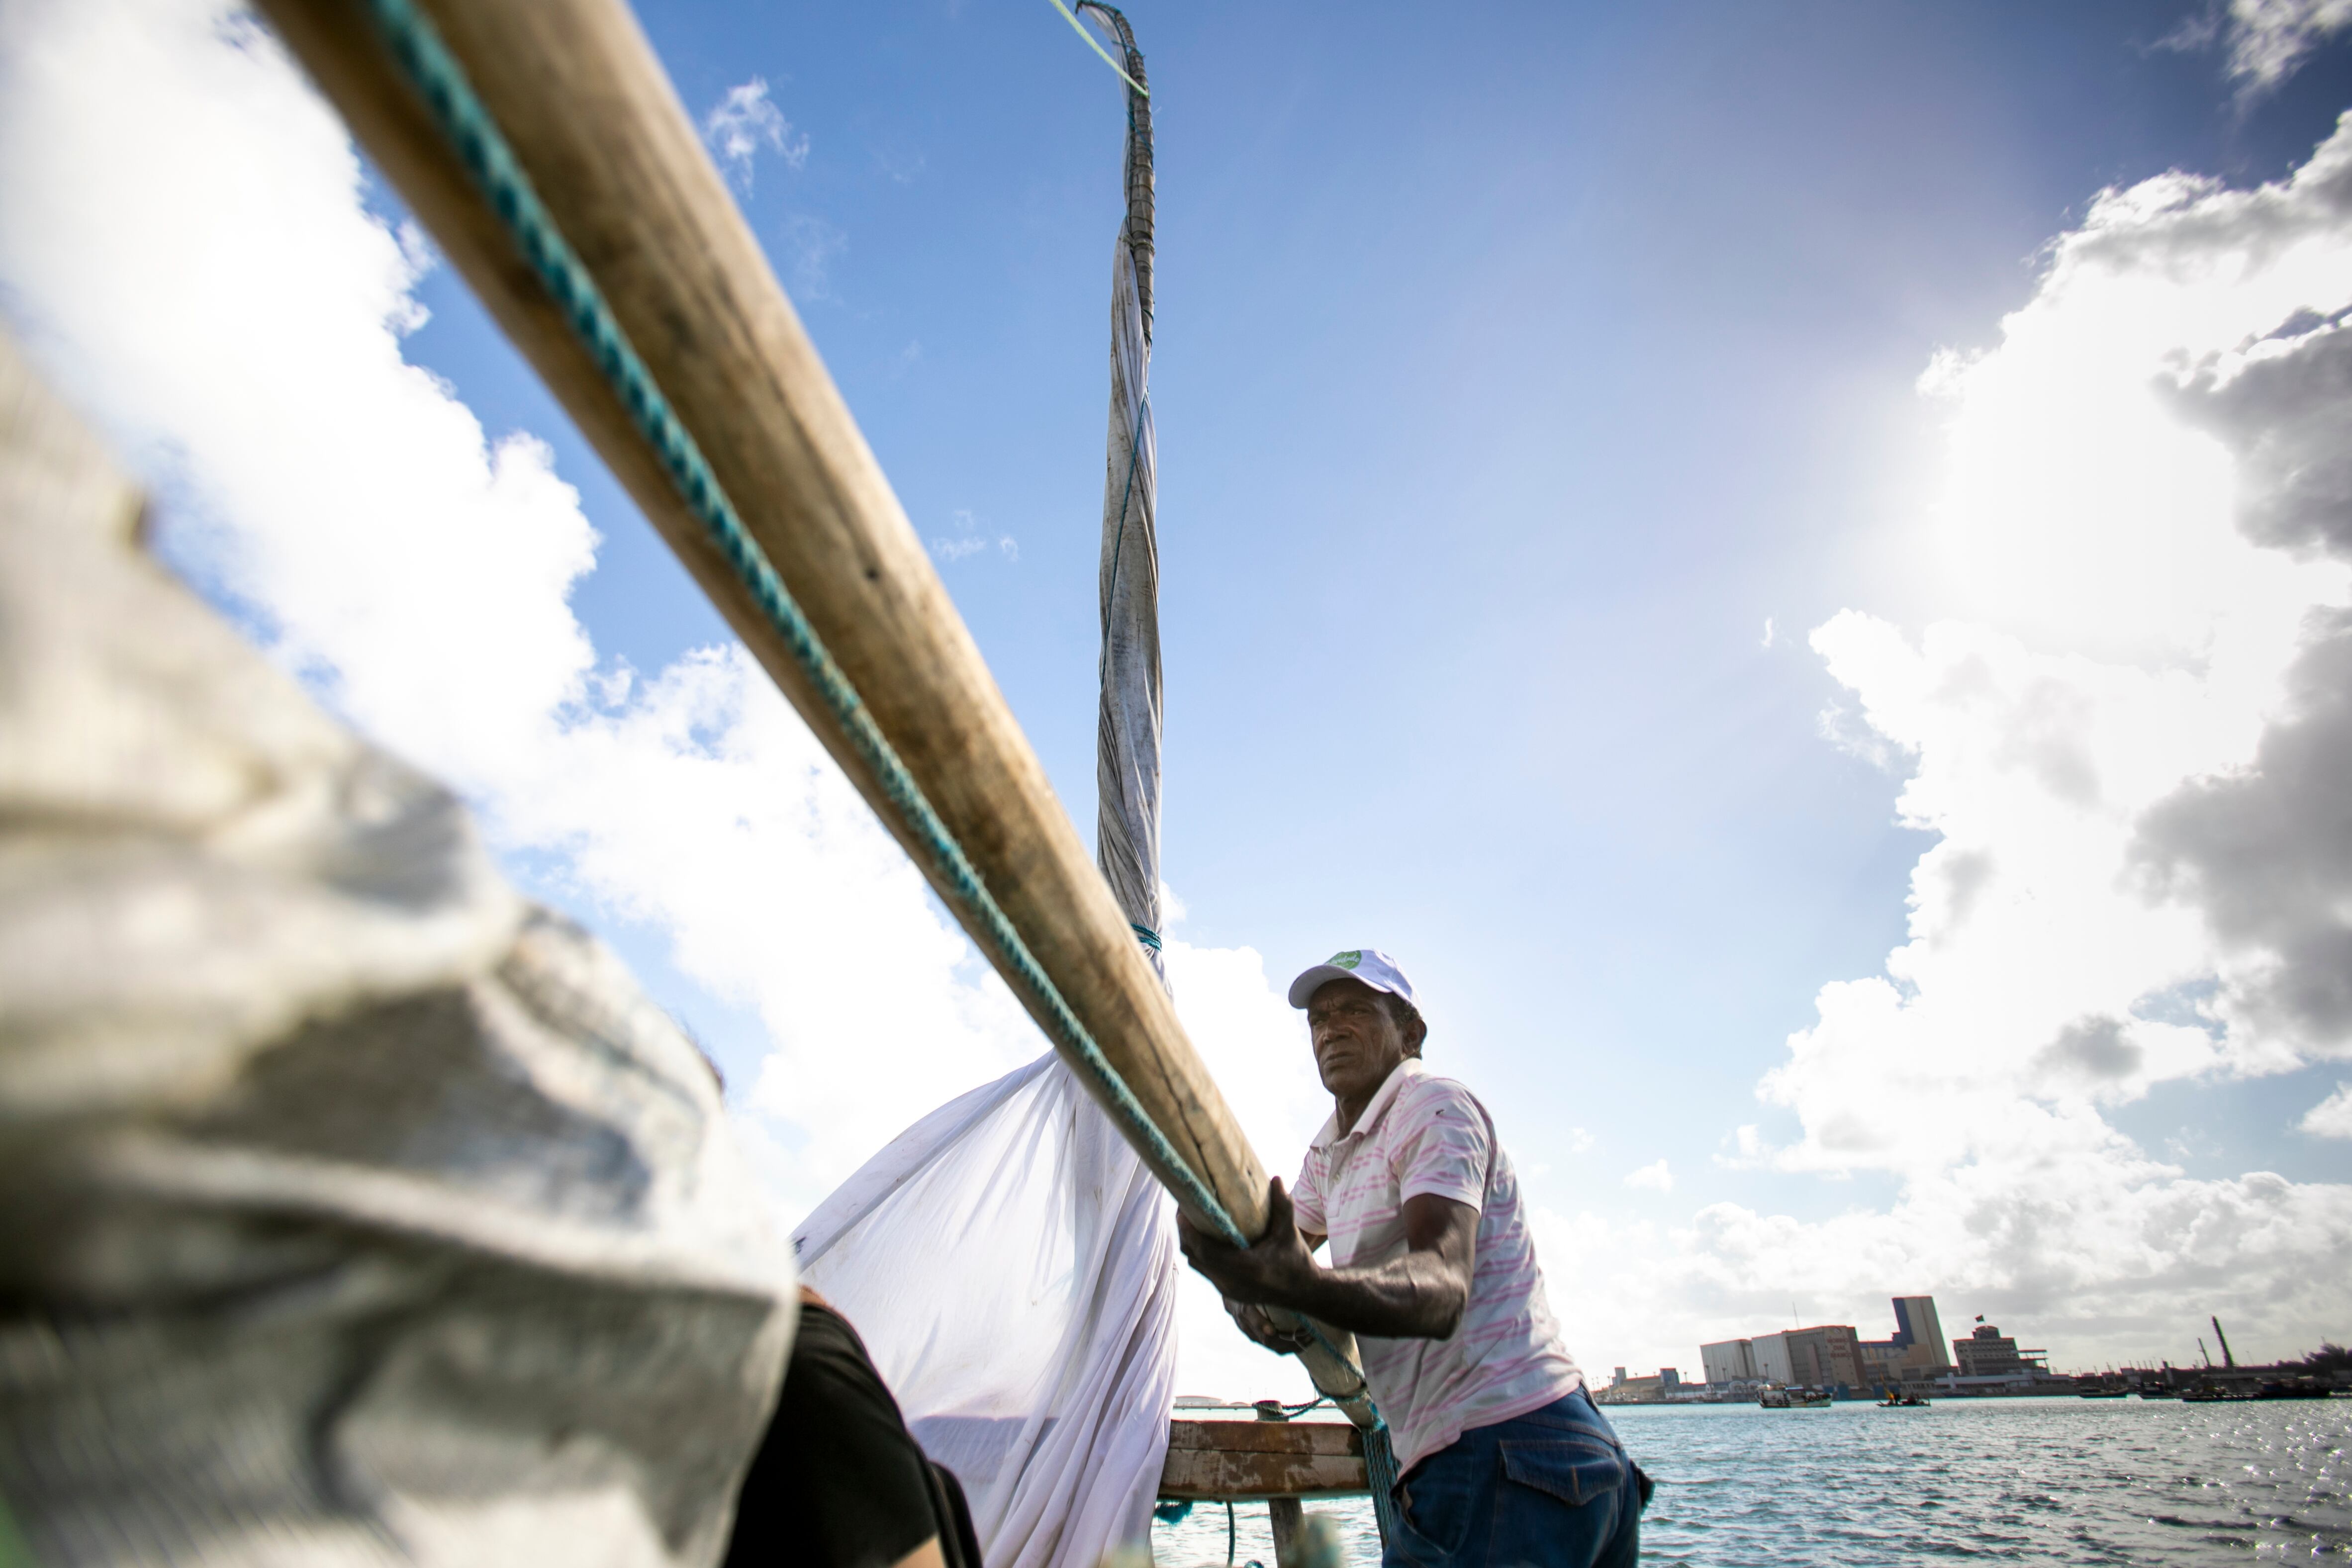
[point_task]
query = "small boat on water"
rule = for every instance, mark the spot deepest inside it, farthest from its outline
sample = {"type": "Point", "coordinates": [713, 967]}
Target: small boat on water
{"type": "Point", "coordinates": [2108, 1393]}
{"type": "Point", "coordinates": [1793, 1399]}
{"type": "Point", "coordinates": [1907, 1401]}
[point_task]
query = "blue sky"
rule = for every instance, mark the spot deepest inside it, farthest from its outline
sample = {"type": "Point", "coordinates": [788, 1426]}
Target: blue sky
{"type": "Point", "coordinates": [1517, 370]}
{"type": "Point", "coordinates": [1510, 376]}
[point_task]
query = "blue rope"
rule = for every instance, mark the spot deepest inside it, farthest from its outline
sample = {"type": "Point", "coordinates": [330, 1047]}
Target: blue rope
{"type": "Point", "coordinates": [1380, 1475]}
{"type": "Point", "coordinates": [416, 47]}
{"type": "Point", "coordinates": [1145, 935]}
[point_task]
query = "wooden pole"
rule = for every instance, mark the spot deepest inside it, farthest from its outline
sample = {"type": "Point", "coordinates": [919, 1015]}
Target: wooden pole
{"type": "Point", "coordinates": [596, 124]}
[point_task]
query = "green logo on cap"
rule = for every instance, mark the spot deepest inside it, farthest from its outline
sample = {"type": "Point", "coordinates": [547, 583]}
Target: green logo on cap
{"type": "Point", "coordinates": [1348, 959]}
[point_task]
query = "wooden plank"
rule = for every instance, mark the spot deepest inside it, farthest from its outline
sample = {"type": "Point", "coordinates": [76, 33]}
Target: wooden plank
{"type": "Point", "coordinates": [1289, 1521]}
{"type": "Point", "coordinates": [1221, 1461]}
{"type": "Point", "coordinates": [595, 122]}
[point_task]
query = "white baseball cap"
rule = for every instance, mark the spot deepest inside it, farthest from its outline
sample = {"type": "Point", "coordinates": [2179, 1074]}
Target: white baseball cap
{"type": "Point", "coordinates": [1369, 964]}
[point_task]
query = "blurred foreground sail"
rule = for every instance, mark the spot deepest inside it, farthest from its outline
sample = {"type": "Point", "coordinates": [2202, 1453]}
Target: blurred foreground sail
{"type": "Point", "coordinates": [353, 1211]}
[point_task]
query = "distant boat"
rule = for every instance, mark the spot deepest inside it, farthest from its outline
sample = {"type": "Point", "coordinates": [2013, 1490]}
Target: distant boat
{"type": "Point", "coordinates": [2292, 1391]}
{"type": "Point", "coordinates": [2211, 1396]}
{"type": "Point", "coordinates": [2158, 1393]}
{"type": "Point", "coordinates": [2106, 1393]}
{"type": "Point", "coordinates": [1793, 1399]}
{"type": "Point", "coordinates": [1907, 1401]}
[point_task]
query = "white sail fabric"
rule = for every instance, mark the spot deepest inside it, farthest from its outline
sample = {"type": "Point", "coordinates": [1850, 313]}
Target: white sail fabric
{"type": "Point", "coordinates": [1010, 1263]}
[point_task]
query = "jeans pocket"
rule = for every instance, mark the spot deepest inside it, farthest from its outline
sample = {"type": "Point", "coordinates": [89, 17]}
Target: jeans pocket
{"type": "Point", "coordinates": [1438, 1506]}
{"type": "Point", "coordinates": [1576, 1470]}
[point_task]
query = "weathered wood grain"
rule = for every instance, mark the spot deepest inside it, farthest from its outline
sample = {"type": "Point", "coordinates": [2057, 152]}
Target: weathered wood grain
{"type": "Point", "coordinates": [1218, 1461]}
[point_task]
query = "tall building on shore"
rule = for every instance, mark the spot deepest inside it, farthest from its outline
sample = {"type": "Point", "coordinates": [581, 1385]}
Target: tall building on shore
{"type": "Point", "coordinates": [1916, 1350]}
{"type": "Point", "coordinates": [1988, 1353]}
{"type": "Point", "coordinates": [1828, 1355]}
{"type": "Point", "coordinates": [1832, 1354]}
{"type": "Point", "coordinates": [1728, 1360]}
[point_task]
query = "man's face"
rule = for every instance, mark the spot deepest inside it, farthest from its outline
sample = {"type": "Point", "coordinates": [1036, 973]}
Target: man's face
{"type": "Point", "coordinates": [1357, 1041]}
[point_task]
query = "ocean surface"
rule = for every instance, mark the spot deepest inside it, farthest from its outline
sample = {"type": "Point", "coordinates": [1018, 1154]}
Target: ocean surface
{"type": "Point", "coordinates": [1990, 1480]}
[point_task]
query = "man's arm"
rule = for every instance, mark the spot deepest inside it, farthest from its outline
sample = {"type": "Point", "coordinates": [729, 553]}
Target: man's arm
{"type": "Point", "coordinates": [1420, 1295]}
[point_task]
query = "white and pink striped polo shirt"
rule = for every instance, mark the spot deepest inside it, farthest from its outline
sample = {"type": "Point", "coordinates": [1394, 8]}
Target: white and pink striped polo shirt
{"type": "Point", "coordinates": [1426, 1134]}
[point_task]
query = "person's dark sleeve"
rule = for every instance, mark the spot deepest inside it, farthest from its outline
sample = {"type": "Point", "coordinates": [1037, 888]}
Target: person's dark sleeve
{"type": "Point", "coordinates": [959, 1541]}
{"type": "Point", "coordinates": [839, 1482]}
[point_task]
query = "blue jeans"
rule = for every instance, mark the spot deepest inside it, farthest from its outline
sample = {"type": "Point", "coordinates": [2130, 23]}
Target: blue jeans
{"type": "Point", "coordinates": [1552, 1489]}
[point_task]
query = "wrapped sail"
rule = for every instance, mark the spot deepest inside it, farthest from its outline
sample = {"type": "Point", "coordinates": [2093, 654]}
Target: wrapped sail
{"type": "Point", "coordinates": [1008, 1261]}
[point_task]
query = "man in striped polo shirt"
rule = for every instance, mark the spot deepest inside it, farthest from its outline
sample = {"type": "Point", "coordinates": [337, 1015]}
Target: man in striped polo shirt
{"type": "Point", "coordinates": [1504, 1459]}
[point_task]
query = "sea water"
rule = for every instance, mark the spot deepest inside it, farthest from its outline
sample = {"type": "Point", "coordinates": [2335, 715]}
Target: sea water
{"type": "Point", "coordinates": [2001, 1480]}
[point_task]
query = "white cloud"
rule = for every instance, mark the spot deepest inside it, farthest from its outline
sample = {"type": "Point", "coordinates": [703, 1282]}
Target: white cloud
{"type": "Point", "coordinates": [2128, 743]}
{"type": "Point", "coordinates": [744, 121]}
{"type": "Point", "coordinates": [2129, 740]}
{"type": "Point", "coordinates": [809, 246]}
{"type": "Point", "coordinates": [971, 540]}
{"type": "Point", "coordinates": [2268, 39]}
{"type": "Point", "coordinates": [1652, 1177]}
{"type": "Point", "coordinates": [1254, 1044]}
{"type": "Point", "coordinates": [2332, 1117]}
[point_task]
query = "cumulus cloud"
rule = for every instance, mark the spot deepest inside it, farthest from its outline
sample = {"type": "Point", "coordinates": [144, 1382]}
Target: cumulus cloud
{"type": "Point", "coordinates": [2129, 746]}
{"type": "Point", "coordinates": [745, 120]}
{"type": "Point", "coordinates": [2129, 739]}
{"type": "Point", "coordinates": [2264, 849]}
{"type": "Point", "coordinates": [2332, 1117]}
{"type": "Point", "coordinates": [1652, 1177]}
{"type": "Point", "coordinates": [2268, 39]}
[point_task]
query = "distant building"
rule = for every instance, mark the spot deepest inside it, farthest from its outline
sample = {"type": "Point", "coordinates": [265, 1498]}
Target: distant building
{"type": "Point", "coordinates": [1618, 1379]}
{"type": "Point", "coordinates": [1632, 1391]}
{"type": "Point", "coordinates": [1988, 1353]}
{"type": "Point", "coordinates": [1832, 1354]}
{"type": "Point", "coordinates": [1916, 1350]}
{"type": "Point", "coordinates": [1728, 1360]}
{"type": "Point", "coordinates": [1669, 1379]}
{"type": "Point", "coordinates": [1828, 1355]}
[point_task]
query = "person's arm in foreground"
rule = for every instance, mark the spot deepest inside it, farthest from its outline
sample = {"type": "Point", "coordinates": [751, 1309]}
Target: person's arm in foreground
{"type": "Point", "coordinates": [1419, 1294]}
